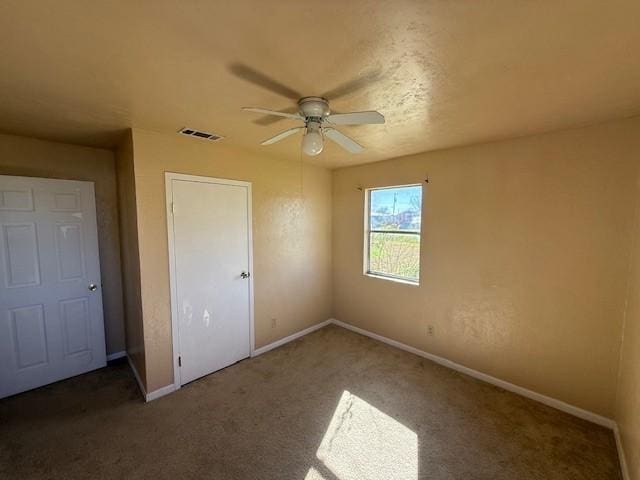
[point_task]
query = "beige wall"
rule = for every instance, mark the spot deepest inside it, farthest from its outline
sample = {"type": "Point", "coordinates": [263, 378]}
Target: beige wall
{"type": "Point", "coordinates": [134, 327]}
{"type": "Point", "coordinates": [291, 238]}
{"type": "Point", "coordinates": [628, 399]}
{"type": "Point", "coordinates": [525, 254]}
{"type": "Point", "coordinates": [37, 158]}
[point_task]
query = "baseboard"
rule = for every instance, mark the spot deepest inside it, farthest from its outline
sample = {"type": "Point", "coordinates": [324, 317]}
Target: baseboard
{"type": "Point", "coordinates": [161, 392]}
{"type": "Point", "coordinates": [116, 355]}
{"type": "Point", "coordinates": [166, 390]}
{"type": "Point", "coordinates": [138, 379]}
{"type": "Point", "coordinates": [552, 402]}
{"type": "Point", "coordinates": [282, 341]}
{"type": "Point", "coordinates": [621, 455]}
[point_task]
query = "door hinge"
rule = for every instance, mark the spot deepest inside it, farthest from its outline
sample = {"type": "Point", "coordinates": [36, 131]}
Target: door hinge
{"type": "Point", "coordinates": [173, 208]}
{"type": "Point", "coordinates": [179, 361]}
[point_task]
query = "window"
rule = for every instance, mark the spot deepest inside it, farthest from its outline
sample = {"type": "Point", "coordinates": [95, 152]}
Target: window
{"type": "Point", "coordinates": [392, 243]}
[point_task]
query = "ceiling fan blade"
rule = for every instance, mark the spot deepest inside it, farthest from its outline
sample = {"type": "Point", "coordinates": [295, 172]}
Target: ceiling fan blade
{"type": "Point", "coordinates": [295, 116]}
{"type": "Point", "coordinates": [341, 139]}
{"type": "Point", "coordinates": [355, 118]}
{"type": "Point", "coordinates": [271, 119]}
{"type": "Point", "coordinates": [282, 135]}
{"type": "Point", "coordinates": [257, 78]}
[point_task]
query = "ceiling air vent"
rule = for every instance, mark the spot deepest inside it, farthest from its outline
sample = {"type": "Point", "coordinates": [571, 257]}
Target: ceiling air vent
{"type": "Point", "coordinates": [190, 132]}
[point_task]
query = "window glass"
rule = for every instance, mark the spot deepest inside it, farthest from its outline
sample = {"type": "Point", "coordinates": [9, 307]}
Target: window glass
{"type": "Point", "coordinates": [393, 232]}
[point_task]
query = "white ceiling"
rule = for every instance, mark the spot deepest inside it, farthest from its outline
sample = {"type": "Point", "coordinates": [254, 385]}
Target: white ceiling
{"type": "Point", "coordinates": [444, 73]}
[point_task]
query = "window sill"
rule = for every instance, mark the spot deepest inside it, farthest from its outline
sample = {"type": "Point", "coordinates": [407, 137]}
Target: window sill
{"type": "Point", "coordinates": [393, 279]}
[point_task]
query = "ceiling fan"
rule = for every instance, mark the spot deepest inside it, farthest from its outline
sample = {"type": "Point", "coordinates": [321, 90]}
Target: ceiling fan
{"type": "Point", "coordinates": [314, 111]}
{"type": "Point", "coordinates": [318, 123]}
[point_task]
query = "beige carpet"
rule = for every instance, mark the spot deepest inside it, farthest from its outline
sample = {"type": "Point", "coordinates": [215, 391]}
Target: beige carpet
{"type": "Point", "coordinates": [333, 405]}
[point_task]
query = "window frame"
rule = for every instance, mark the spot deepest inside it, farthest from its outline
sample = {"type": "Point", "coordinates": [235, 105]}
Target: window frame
{"type": "Point", "coordinates": [368, 231]}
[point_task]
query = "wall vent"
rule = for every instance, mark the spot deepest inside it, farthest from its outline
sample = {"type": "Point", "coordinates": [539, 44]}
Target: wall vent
{"type": "Point", "coordinates": [192, 132]}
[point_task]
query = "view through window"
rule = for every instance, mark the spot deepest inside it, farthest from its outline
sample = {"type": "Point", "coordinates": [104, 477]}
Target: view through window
{"type": "Point", "coordinates": [393, 232]}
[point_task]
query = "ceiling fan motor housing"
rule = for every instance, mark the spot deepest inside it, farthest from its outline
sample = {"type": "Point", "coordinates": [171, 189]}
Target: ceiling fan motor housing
{"type": "Point", "coordinates": [314, 107]}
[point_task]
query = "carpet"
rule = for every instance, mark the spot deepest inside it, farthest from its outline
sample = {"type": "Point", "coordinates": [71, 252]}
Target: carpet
{"type": "Point", "coordinates": [333, 405]}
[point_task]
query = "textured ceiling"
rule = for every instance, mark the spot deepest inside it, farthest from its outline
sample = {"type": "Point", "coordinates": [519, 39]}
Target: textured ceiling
{"type": "Point", "coordinates": [444, 73]}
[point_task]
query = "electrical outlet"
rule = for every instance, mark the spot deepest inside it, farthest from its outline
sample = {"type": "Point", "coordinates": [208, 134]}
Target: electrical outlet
{"type": "Point", "coordinates": [274, 322]}
{"type": "Point", "coordinates": [430, 330]}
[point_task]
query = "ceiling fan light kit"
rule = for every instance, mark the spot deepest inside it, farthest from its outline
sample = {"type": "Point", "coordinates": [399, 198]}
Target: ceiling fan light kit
{"type": "Point", "coordinates": [312, 141]}
{"type": "Point", "coordinates": [318, 121]}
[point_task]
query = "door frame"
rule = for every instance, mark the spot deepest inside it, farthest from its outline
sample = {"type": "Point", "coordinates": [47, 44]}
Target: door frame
{"type": "Point", "coordinates": [169, 178]}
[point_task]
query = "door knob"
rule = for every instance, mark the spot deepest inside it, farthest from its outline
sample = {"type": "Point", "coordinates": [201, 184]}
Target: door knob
{"type": "Point", "coordinates": [93, 287]}
{"type": "Point", "coordinates": [245, 274]}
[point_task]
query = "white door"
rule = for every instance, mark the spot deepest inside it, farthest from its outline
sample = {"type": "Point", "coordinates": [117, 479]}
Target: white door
{"type": "Point", "coordinates": [51, 324]}
{"type": "Point", "coordinates": [210, 245]}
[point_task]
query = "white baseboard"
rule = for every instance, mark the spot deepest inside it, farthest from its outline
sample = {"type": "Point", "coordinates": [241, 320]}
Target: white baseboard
{"type": "Point", "coordinates": [137, 375]}
{"type": "Point", "coordinates": [116, 355]}
{"type": "Point", "coordinates": [552, 402]}
{"type": "Point", "coordinates": [161, 392]}
{"type": "Point", "coordinates": [290, 338]}
{"type": "Point", "coordinates": [621, 455]}
{"type": "Point", "coordinates": [166, 390]}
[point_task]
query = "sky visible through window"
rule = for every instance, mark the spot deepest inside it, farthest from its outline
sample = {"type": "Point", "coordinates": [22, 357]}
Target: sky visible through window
{"type": "Point", "coordinates": [396, 208]}
{"type": "Point", "coordinates": [404, 198]}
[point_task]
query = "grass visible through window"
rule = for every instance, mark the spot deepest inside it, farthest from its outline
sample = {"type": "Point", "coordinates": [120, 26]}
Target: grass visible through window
{"type": "Point", "coordinates": [395, 254]}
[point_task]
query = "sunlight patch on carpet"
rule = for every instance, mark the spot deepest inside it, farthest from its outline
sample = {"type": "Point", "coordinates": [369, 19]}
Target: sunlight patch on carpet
{"type": "Point", "coordinates": [363, 443]}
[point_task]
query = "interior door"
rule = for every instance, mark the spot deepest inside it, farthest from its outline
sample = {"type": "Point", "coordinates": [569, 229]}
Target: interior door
{"type": "Point", "coordinates": [211, 250]}
{"type": "Point", "coordinates": [51, 324]}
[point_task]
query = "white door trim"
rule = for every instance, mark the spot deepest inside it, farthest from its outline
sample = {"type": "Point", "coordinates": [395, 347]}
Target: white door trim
{"type": "Point", "coordinates": [169, 177]}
